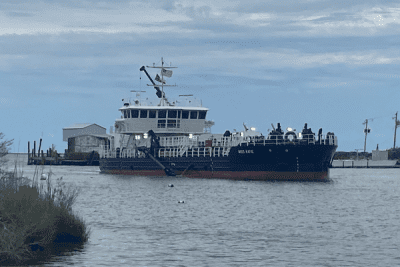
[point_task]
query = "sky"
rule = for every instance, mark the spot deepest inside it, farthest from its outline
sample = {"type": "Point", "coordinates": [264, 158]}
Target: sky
{"type": "Point", "coordinates": [330, 64]}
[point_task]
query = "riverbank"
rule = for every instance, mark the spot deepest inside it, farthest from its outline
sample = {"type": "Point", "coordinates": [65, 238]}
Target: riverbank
{"type": "Point", "coordinates": [36, 219]}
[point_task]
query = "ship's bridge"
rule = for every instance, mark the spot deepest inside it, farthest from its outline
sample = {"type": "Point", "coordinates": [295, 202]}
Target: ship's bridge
{"type": "Point", "coordinates": [139, 119]}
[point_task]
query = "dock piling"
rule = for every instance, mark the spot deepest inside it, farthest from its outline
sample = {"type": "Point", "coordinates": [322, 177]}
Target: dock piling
{"type": "Point", "coordinates": [29, 152]}
{"type": "Point", "coordinates": [40, 144]}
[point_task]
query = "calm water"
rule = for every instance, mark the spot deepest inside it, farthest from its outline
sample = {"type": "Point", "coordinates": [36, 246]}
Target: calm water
{"type": "Point", "coordinates": [137, 221]}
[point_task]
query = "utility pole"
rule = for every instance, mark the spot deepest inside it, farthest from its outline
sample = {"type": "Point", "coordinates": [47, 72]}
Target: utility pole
{"type": "Point", "coordinates": [366, 131]}
{"type": "Point", "coordinates": [396, 124]}
{"type": "Point", "coordinates": [357, 152]}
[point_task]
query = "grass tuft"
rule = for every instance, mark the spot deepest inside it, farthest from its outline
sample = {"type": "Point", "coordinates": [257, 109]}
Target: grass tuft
{"type": "Point", "coordinates": [36, 219]}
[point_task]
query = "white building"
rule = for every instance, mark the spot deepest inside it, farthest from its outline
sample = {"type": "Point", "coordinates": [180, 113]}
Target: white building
{"type": "Point", "coordinates": [379, 154]}
{"type": "Point", "coordinates": [85, 137]}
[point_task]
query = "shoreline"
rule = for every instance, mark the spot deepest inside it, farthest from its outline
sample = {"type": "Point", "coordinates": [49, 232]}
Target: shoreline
{"type": "Point", "coordinates": [350, 163]}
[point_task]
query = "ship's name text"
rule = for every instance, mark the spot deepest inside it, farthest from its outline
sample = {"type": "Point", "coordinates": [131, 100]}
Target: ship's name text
{"type": "Point", "coordinates": [245, 151]}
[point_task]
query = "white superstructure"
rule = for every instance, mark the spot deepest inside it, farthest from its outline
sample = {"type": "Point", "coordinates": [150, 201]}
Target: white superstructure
{"type": "Point", "coordinates": [180, 117]}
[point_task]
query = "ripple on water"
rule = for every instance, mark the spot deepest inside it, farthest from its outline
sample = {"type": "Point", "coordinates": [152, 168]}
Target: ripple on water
{"type": "Point", "coordinates": [137, 221]}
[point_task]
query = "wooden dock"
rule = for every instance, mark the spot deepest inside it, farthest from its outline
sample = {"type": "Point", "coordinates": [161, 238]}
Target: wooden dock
{"type": "Point", "coordinates": [52, 157]}
{"type": "Point", "coordinates": [365, 164]}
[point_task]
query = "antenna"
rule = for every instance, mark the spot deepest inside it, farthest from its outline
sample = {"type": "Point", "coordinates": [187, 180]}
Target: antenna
{"type": "Point", "coordinates": [164, 72]}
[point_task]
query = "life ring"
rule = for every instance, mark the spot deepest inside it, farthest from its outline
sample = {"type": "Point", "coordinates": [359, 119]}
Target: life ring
{"type": "Point", "coordinates": [290, 133]}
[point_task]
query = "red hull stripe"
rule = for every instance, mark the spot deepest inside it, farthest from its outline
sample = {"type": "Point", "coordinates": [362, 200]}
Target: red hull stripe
{"type": "Point", "coordinates": [244, 175]}
{"type": "Point", "coordinates": [137, 172]}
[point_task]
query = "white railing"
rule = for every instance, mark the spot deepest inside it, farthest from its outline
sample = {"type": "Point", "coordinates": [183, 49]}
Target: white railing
{"type": "Point", "coordinates": [104, 152]}
{"type": "Point", "coordinates": [178, 141]}
{"type": "Point", "coordinates": [194, 152]}
{"type": "Point", "coordinates": [191, 147]}
{"type": "Point", "coordinates": [184, 141]}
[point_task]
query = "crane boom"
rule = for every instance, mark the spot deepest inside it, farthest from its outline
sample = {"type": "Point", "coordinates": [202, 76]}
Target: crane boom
{"type": "Point", "coordinates": [159, 93]}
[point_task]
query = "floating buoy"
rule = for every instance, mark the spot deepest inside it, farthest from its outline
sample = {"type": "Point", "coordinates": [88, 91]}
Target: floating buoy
{"type": "Point", "coordinates": [43, 177]}
{"type": "Point", "coordinates": [181, 201]}
{"type": "Point", "coordinates": [170, 185]}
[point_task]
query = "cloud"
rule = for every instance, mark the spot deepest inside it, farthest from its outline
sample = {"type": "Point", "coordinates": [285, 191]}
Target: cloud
{"type": "Point", "coordinates": [236, 19]}
{"type": "Point", "coordinates": [19, 14]}
{"type": "Point", "coordinates": [47, 18]}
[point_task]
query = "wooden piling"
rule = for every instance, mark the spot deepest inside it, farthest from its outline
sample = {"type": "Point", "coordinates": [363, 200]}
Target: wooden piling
{"type": "Point", "coordinates": [40, 144]}
{"type": "Point", "coordinates": [29, 152]}
{"type": "Point", "coordinates": [34, 149]}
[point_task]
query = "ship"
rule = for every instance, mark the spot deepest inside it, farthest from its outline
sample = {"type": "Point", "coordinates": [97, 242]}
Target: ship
{"type": "Point", "coordinates": [173, 138]}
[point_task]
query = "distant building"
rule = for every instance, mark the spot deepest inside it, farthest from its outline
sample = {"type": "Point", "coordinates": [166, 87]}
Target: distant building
{"type": "Point", "coordinates": [85, 137]}
{"type": "Point", "coordinates": [379, 154]}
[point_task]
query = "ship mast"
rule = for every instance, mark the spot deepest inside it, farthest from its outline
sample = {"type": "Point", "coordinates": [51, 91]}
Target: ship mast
{"type": "Point", "coordinates": [162, 81]}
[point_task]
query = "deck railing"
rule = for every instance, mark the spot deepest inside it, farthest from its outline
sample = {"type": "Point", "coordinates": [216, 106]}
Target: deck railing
{"type": "Point", "coordinates": [191, 147]}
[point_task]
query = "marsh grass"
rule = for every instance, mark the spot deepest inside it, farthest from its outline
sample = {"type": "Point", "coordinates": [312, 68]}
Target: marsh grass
{"type": "Point", "coordinates": [36, 218]}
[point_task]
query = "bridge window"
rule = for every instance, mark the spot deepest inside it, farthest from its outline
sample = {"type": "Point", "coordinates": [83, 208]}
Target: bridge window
{"type": "Point", "coordinates": [174, 124]}
{"type": "Point", "coordinates": [202, 115]}
{"type": "Point", "coordinates": [171, 124]}
{"type": "Point", "coordinates": [125, 114]}
{"type": "Point", "coordinates": [185, 114]}
{"type": "Point", "coordinates": [179, 114]}
{"type": "Point", "coordinates": [172, 114]}
{"type": "Point", "coordinates": [193, 114]}
{"type": "Point", "coordinates": [162, 114]}
{"type": "Point", "coordinates": [152, 114]}
{"type": "Point", "coordinates": [161, 124]}
{"type": "Point", "coordinates": [134, 113]}
{"type": "Point", "coordinates": [143, 113]}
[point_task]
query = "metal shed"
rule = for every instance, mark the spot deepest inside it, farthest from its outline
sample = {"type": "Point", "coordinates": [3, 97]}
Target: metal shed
{"type": "Point", "coordinates": [79, 129]}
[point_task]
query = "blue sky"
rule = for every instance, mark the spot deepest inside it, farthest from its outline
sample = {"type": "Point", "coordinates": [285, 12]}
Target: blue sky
{"type": "Point", "coordinates": [331, 64]}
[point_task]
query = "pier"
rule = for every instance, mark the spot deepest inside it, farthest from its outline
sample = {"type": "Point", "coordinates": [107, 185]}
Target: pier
{"type": "Point", "coordinates": [52, 157]}
{"type": "Point", "coordinates": [365, 164]}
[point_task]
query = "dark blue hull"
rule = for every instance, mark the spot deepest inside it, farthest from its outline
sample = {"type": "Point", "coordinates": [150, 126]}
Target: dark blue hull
{"type": "Point", "coordinates": [267, 162]}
